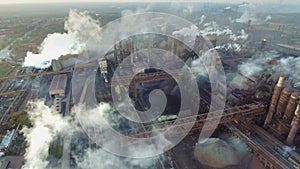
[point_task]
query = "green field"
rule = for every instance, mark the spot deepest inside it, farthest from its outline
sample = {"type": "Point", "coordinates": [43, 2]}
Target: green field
{"type": "Point", "coordinates": [5, 69]}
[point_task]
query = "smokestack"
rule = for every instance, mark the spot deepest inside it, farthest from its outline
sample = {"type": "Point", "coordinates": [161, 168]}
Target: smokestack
{"type": "Point", "coordinates": [116, 54]}
{"type": "Point", "coordinates": [131, 51]}
{"type": "Point", "coordinates": [295, 125]}
{"type": "Point", "coordinates": [291, 107]}
{"type": "Point", "coordinates": [213, 70]}
{"type": "Point", "coordinates": [248, 27]}
{"type": "Point", "coordinates": [214, 58]}
{"type": "Point", "coordinates": [283, 101]}
{"type": "Point", "coordinates": [274, 100]}
{"type": "Point", "coordinates": [148, 56]}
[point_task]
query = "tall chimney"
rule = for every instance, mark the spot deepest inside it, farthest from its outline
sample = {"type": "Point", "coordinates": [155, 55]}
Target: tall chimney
{"type": "Point", "coordinates": [116, 54]}
{"type": "Point", "coordinates": [274, 100]}
{"type": "Point", "coordinates": [212, 70]}
{"type": "Point", "coordinates": [295, 125]}
{"type": "Point", "coordinates": [291, 107]}
{"type": "Point", "coordinates": [130, 48]}
{"type": "Point", "coordinates": [283, 101]}
{"type": "Point", "coordinates": [248, 26]}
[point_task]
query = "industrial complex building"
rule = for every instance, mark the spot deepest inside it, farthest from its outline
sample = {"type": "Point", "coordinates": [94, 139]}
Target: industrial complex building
{"type": "Point", "coordinates": [262, 111]}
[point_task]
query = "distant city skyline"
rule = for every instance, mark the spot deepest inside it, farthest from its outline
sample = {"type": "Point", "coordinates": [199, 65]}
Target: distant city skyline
{"type": "Point", "coordinates": [213, 1]}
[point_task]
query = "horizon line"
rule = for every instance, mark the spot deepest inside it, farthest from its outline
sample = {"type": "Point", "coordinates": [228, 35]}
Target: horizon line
{"type": "Point", "coordinates": [131, 1]}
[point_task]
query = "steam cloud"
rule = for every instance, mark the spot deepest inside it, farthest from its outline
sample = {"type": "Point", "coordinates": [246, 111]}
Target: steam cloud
{"type": "Point", "coordinates": [47, 125]}
{"type": "Point", "coordinates": [248, 13]}
{"type": "Point", "coordinates": [213, 29]}
{"type": "Point", "coordinates": [272, 63]}
{"type": "Point", "coordinates": [220, 153]}
{"type": "Point", "coordinates": [72, 42]}
{"type": "Point", "coordinates": [201, 19]}
{"type": "Point", "coordinates": [101, 159]}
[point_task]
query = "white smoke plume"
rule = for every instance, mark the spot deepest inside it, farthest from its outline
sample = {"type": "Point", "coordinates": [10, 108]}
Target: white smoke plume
{"type": "Point", "coordinates": [256, 64]}
{"type": "Point", "coordinates": [213, 29]}
{"type": "Point", "coordinates": [241, 36]}
{"type": "Point", "coordinates": [188, 33]}
{"type": "Point", "coordinates": [80, 28]}
{"type": "Point", "coordinates": [271, 62]}
{"type": "Point", "coordinates": [198, 65]}
{"type": "Point", "coordinates": [230, 46]}
{"type": "Point", "coordinates": [268, 18]}
{"type": "Point", "coordinates": [201, 19]}
{"type": "Point", "coordinates": [249, 13]}
{"type": "Point", "coordinates": [97, 119]}
{"type": "Point", "coordinates": [248, 10]}
{"type": "Point", "coordinates": [47, 124]}
{"type": "Point", "coordinates": [246, 16]}
{"type": "Point", "coordinates": [101, 159]}
{"type": "Point", "coordinates": [222, 152]}
{"type": "Point", "coordinates": [137, 11]}
{"type": "Point", "coordinates": [188, 10]}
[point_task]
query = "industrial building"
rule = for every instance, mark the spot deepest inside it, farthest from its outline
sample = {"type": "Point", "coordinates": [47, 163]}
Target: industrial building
{"type": "Point", "coordinates": [262, 111]}
{"type": "Point", "coordinates": [58, 85]}
{"type": "Point", "coordinates": [283, 115]}
{"type": "Point", "coordinates": [289, 49]}
{"type": "Point", "coordinates": [58, 90]}
{"type": "Point", "coordinates": [251, 101]}
{"type": "Point", "coordinates": [7, 139]}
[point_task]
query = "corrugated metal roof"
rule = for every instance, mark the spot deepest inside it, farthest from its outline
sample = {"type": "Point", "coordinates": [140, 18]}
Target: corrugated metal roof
{"type": "Point", "coordinates": [7, 138]}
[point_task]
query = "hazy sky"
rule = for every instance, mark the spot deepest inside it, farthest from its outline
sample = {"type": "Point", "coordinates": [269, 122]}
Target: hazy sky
{"type": "Point", "coordinates": [230, 1]}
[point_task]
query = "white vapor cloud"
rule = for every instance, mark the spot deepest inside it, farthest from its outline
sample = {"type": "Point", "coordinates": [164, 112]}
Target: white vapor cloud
{"type": "Point", "coordinates": [47, 124]}
{"type": "Point", "coordinates": [80, 28]}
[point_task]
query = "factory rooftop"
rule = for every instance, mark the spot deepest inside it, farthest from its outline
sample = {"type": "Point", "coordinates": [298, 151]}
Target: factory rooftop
{"type": "Point", "coordinates": [58, 85]}
{"type": "Point", "coordinates": [7, 139]}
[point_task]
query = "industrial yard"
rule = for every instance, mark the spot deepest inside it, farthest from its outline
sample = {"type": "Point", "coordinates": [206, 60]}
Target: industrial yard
{"type": "Point", "coordinates": [223, 95]}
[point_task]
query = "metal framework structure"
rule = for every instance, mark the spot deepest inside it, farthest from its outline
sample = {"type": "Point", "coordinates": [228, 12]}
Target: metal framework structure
{"type": "Point", "coordinates": [268, 159]}
{"type": "Point", "coordinates": [198, 121]}
{"type": "Point", "coordinates": [11, 92]}
{"type": "Point", "coordinates": [35, 74]}
{"type": "Point", "coordinates": [143, 77]}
